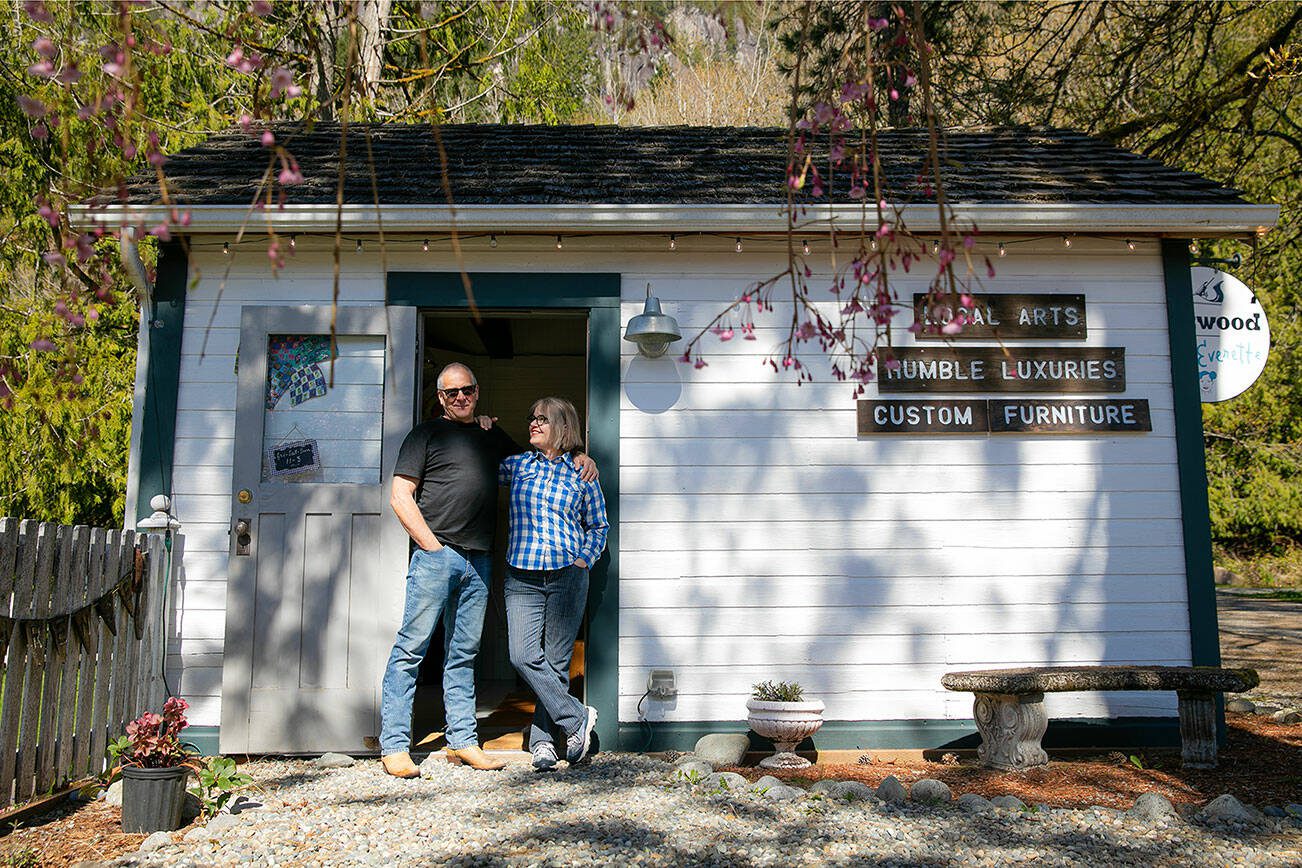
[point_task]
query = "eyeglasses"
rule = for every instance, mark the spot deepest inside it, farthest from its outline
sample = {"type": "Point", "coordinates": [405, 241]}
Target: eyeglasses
{"type": "Point", "coordinates": [468, 391]}
{"type": "Point", "coordinates": [540, 419]}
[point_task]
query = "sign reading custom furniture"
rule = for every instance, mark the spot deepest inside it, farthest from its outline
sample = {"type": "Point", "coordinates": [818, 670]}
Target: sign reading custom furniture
{"type": "Point", "coordinates": [1009, 705]}
{"type": "Point", "coordinates": [1004, 415]}
{"type": "Point", "coordinates": [1003, 369]}
{"type": "Point", "coordinates": [1004, 316]}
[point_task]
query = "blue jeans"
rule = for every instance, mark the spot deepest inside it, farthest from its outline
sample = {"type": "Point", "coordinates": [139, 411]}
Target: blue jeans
{"type": "Point", "coordinates": [440, 582]}
{"type": "Point", "coordinates": [544, 610]}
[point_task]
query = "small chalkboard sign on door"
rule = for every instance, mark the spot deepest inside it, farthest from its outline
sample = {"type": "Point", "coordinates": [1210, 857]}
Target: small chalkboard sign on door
{"type": "Point", "coordinates": [293, 457]}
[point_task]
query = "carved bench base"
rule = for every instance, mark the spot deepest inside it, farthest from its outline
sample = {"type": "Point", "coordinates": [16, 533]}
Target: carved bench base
{"type": "Point", "coordinates": [1011, 726]}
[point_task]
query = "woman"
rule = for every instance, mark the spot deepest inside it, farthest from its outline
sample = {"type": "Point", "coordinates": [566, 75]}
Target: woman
{"type": "Point", "coordinates": [558, 530]}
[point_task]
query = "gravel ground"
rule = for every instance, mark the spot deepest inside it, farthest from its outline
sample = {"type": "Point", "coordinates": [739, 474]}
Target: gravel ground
{"type": "Point", "coordinates": [624, 809]}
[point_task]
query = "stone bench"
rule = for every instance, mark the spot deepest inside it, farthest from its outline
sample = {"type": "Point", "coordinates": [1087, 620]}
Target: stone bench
{"type": "Point", "coordinates": [1009, 706]}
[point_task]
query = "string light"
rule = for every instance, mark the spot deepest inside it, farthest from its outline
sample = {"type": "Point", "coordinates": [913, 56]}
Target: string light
{"type": "Point", "coordinates": [874, 244]}
{"type": "Point", "coordinates": [358, 248]}
{"type": "Point", "coordinates": [424, 245]}
{"type": "Point", "coordinates": [559, 245]}
{"type": "Point", "coordinates": [492, 241]}
{"type": "Point", "coordinates": [1193, 247]}
{"type": "Point", "coordinates": [673, 242]}
{"type": "Point", "coordinates": [739, 245]}
{"type": "Point", "coordinates": [935, 246]}
{"type": "Point", "coordinates": [1066, 241]}
{"type": "Point", "coordinates": [805, 246]}
{"type": "Point", "coordinates": [1131, 245]}
{"type": "Point", "coordinates": [226, 248]}
{"type": "Point", "coordinates": [1002, 250]}
{"type": "Point", "coordinates": [293, 242]}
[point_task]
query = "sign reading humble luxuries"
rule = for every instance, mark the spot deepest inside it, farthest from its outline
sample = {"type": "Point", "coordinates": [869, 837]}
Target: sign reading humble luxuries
{"type": "Point", "coordinates": [1004, 370]}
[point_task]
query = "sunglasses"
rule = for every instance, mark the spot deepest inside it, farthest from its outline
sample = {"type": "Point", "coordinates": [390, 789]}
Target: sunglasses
{"type": "Point", "coordinates": [540, 419]}
{"type": "Point", "coordinates": [468, 391]}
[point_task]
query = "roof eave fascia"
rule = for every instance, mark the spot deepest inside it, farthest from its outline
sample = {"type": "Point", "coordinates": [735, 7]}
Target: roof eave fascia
{"type": "Point", "coordinates": [1203, 221]}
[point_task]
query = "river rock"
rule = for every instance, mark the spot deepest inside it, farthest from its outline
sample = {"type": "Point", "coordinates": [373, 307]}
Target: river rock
{"type": "Point", "coordinates": [1293, 810]}
{"type": "Point", "coordinates": [974, 803]}
{"type": "Point", "coordinates": [729, 781]}
{"type": "Point", "coordinates": [1241, 706]}
{"type": "Point", "coordinates": [222, 821]}
{"type": "Point", "coordinates": [113, 795]}
{"type": "Point", "coordinates": [333, 761]}
{"type": "Point", "coordinates": [723, 748]}
{"type": "Point", "coordinates": [1151, 807]}
{"type": "Point", "coordinates": [155, 842]}
{"type": "Point", "coordinates": [766, 782]}
{"type": "Point", "coordinates": [782, 793]}
{"type": "Point", "coordinates": [1287, 715]}
{"type": "Point", "coordinates": [687, 758]}
{"type": "Point", "coordinates": [892, 791]}
{"type": "Point", "coordinates": [1227, 809]}
{"type": "Point", "coordinates": [931, 791]}
{"type": "Point", "coordinates": [1009, 803]}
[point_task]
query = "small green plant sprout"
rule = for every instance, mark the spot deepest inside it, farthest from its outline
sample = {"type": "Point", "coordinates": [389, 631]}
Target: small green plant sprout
{"type": "Point", "coordinates": [1136, 762]}
{"type": "Point", "coordinates": [691, 776]}
{"type": "Point", "coordinates": [777, 691]}
{"type": "Point", "coordinates": [219, 781]}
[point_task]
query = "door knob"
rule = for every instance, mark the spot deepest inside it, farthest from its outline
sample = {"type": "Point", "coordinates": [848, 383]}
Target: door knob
{"type": "Point", "coordinates": [243, 539]}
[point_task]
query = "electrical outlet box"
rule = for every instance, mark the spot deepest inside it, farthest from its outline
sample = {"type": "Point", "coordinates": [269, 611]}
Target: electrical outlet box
{"type": "Point", "coordinates": [660, 684]}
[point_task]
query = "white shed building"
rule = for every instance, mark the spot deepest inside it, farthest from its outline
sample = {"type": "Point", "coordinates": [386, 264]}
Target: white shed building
{"type": "Point", "coordinates": [760, 529]}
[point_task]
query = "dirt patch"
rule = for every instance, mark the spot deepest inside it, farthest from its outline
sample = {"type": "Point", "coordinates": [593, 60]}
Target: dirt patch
{"type": "Point", "coordinates": [1261, 764]}
{"type": "Point", "coordinates": [71, 833]}
{"type": "Point", "coordinates": [1263, 633]}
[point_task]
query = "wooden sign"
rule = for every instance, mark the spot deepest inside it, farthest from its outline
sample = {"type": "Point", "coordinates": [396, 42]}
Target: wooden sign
{"type": "Point", "coordinates": [1004, 316]}
{"type": "Point", "coordinates": [1004, 416]}
{"type": "Point", "coordinates": [294, 456]}
{"type": "Point", "coordinates": [997, 369]}
{"type": "Point", "coordinates": [941, 416]}
{"type": "Point", "coordinates": [1069, 416]}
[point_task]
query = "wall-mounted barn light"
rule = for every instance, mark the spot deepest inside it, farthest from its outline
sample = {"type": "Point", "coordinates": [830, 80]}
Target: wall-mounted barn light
{"type": "Point", "coordinates": [652, 330]}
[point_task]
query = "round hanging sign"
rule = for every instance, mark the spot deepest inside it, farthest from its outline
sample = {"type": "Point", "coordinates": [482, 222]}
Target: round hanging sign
{"type": "Point", "coordinates": [1231, 334]}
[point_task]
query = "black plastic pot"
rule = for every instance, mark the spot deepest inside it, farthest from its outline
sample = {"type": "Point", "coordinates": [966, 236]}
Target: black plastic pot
{"type": "Point", "coordinates": [152, 799]}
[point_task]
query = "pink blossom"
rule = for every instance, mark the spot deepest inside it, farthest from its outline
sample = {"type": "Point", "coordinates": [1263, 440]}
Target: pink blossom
{"type": "Point", "coordinates": [836, 153]}
{"type": "Point", "coordinates": [726, 334]}
{"type": "Point", "coordinates": [36, 10]}
{"type": "Point", "coordinates": [45, 46]}
{"type": "Point", "coordinates": [282, 81]}
{"type": "Point", "coordinates": [70, 74]}
{"type": "Point", "coordinates": [245, 122]}
{"type": "Point", "coordinates": [990, 269]}
{"type": "Point", "coordinates": [157, 158]}
{"type": "Point", "coordinates": [806, 331]}
{"type": "Point", "coordinates": [268, 138]}
{"type": "Point", "coordinates": [858, 192]}
{"type": "Point", "coordinates": [33, 108]}
{"type": "Point", "coordinates": [40, 131]}
{"type": "Point", "coordinates": [48, 213]}
{"type": "Point", "coordinates": [113, 69]}
{"type": "Point", "coordinates": [61, 308]}
{"type": "Point", "coordinates": [161, 232]}
{"type": "Point", "coordinates": [700, 363]}
{"type": "Point", "coordinates": [954, 326]}
{"type": "Point", "coordinates": [966, 300]}
{"type": "Point", "coordinates": [910, 80]}
{"type": "Point", "coordinates": [878, 24]}
{"type": "Point", "coordinates": [969, 242]}
{"type": "Point", "coordinates": [946, 257]}
{"type": "Point", "coordinates": [895, 94]}
{"type": "Point", "coordinates": [788, 362]}
{"type": "Point", "coordinates": [288, 177]}
{"type": "Point", "coordinates": [42, 69]}
{"type": "Point", "coordinates": [261, 8]}
{"type": "Point", "coordinates": [916, 328]}
{"type": "Point", "coordinates": [685, 357]}
{"type": "Point", "coordinates": [42, 345]}
{"type": "Point", "coordinates": [92, 314]}
{"type": "Point", "coordinates": [890, 365]}
{"type": "Point", "coordinates": [823, 112]}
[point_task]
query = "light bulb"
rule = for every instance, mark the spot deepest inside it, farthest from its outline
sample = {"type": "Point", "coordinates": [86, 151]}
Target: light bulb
{"type": "Point", "coordinates": [492, 241]}
{"type": "Point", "coordinates": [293, 242]}
{"type": "Point", "coordinates": [935, 246]}
{"type": "Point", "coordinates": [226, 248]}
{"type": "Point", "coordinates": [1130, 244]}
{"type": "Point", "coordinates": [1066, 242]}
{"type": "Point", "coordinates": [805, 246]}
{"type": "Point", "coordinates": [1193, 247]}
{"type": "Point", "coordinates": [739, 245]}
{"type": "Point", "coordinates": [874, 244]}
{"type": "Point", "coordinates": [1002, 251]}
{"type": "Point", "coordinates": [358, 248]}
{"type": "Point", "coordinates": [559, 245]}
{"type": "Point", "coordinates": [424, 245]}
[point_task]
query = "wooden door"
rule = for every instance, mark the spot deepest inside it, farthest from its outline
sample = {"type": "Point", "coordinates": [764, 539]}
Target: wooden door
{"type": "Point", "coordinates": [317, 558]}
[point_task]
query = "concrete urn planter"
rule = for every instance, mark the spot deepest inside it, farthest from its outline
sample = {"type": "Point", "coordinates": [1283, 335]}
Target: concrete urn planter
{"type": "Point", "coordinates": [787, 724]}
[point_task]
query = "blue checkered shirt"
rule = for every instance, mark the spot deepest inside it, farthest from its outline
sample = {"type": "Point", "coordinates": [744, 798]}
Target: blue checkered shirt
{"type": "Point", "coordinates": [556, 517]}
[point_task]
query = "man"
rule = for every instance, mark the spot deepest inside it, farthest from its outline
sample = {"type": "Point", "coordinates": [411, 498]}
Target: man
{"type": "Point", "coordinates": [445, 495]}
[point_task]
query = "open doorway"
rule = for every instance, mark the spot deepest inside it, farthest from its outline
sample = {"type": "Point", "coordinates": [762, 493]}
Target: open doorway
{"type": "Point", "coordinates": [517, 357]}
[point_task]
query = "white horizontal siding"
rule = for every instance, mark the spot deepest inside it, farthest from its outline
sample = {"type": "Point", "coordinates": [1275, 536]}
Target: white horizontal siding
{"type": "Point", "coordinates": [760, 537]}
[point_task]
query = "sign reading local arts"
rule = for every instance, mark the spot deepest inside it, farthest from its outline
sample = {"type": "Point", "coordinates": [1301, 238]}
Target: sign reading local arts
{"type": "Point", "coordinates": [1004, 415]}
{"type": "Point", "coordinates": [1000, 369]}
{"type": "Point", "coordinates": [1231, 334]}
{"type": "Point", "coordinates": [1000, 316]}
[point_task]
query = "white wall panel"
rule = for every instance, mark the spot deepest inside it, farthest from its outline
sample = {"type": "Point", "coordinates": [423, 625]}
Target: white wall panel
{"type": "Point", "coordinates": [760, 537]}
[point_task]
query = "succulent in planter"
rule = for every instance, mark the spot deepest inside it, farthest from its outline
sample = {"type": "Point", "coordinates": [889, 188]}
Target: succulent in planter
{"type": "Point", "coordinates": [780, 712]}
{"type": "Point", "coordinates": [154, 765]}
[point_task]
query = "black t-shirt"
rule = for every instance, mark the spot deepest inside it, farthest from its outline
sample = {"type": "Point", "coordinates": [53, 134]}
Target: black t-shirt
{"type": "Point", "coordinates": [455, 467]}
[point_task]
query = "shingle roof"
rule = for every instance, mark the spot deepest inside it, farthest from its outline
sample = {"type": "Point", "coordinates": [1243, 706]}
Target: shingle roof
{"type": "Point", "coordinates": [517, 164]}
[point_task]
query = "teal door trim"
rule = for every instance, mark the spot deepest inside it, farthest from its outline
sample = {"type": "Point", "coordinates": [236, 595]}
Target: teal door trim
{"type": "Point", "coordinates": [598, 294]}
{"type": "Point", "coordinates": [1204, 637]}
{"type": "Point", "coordinates": [162, 371]}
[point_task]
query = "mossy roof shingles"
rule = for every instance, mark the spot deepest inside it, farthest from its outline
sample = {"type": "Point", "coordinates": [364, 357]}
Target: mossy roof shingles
{"type": "Point", "coordinates": [519, 164]}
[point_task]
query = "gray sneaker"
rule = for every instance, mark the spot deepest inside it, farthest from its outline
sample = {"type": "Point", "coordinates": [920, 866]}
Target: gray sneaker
{"type": "Point", "coordinates": [580, 746]}
{"type": "Point", "coordinates": [544, 756]}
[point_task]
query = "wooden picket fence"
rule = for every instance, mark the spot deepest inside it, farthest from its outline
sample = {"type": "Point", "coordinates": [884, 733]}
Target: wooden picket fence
{"type": "Point", "coordinates": [83, 641]}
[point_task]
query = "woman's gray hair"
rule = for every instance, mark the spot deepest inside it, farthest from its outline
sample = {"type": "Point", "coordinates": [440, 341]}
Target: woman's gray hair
{"type": "Point", "coordinates": [563, 420]}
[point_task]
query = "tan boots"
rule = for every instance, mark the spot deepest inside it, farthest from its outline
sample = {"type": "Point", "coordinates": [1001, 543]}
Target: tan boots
{"type": "Point", "coordinates": [474, 757]}
{"type": "Point", "coordinates": [400, 765]}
